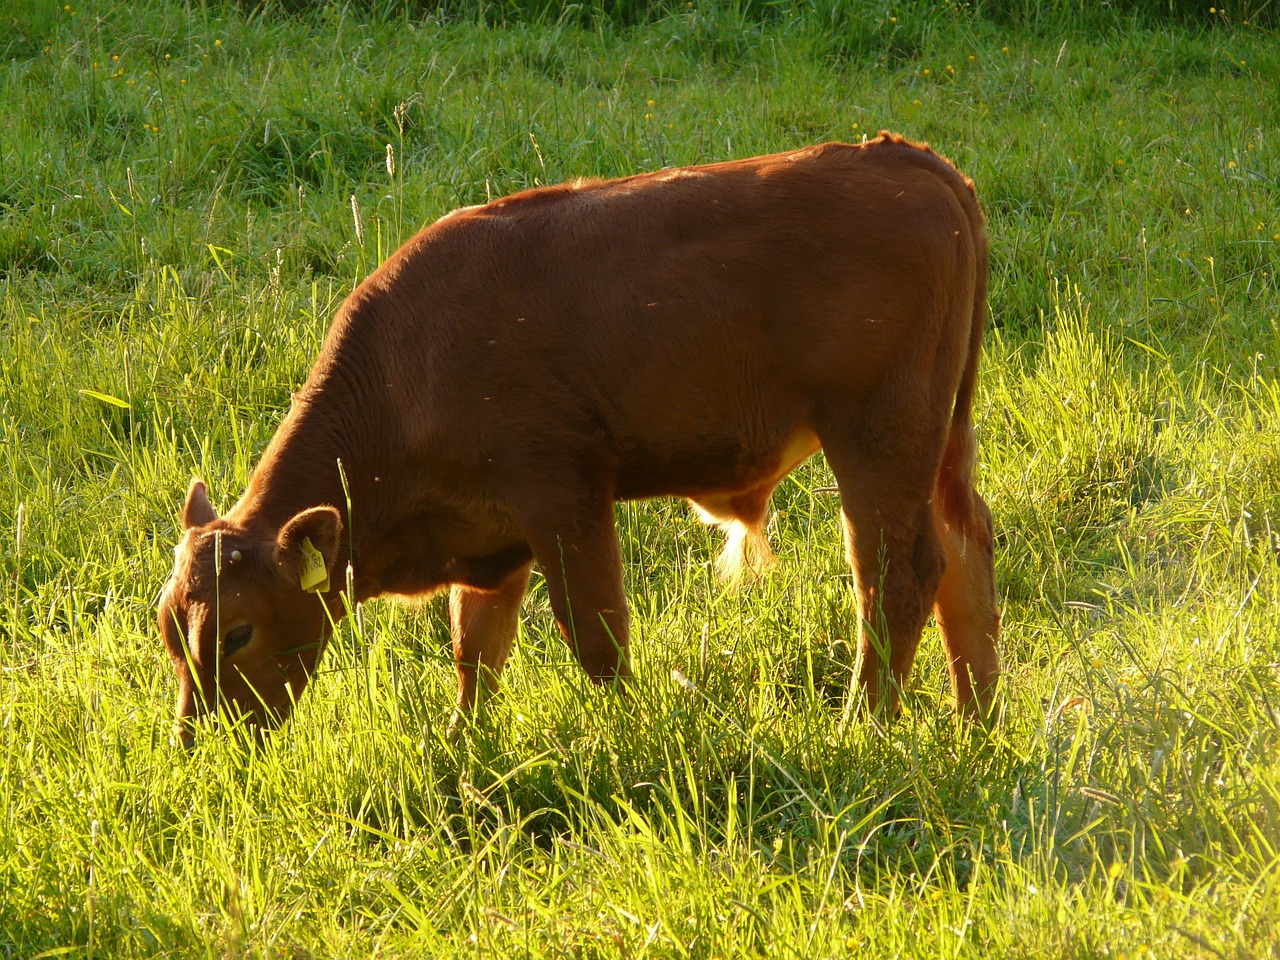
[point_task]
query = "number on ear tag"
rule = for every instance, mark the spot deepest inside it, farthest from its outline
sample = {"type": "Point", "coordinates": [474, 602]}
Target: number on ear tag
{"type": "Point", "coordinates": [315, 575]}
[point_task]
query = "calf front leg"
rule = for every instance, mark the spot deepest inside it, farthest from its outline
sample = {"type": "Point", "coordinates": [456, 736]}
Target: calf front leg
{"type": "Point", "coordinates": [483, 625]}
{"type": "Point", "coordinates": [576, 546]}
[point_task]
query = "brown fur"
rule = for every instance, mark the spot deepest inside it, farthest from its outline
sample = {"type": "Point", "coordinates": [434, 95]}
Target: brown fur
{"type": "Point", "coordinates": [517, 367]}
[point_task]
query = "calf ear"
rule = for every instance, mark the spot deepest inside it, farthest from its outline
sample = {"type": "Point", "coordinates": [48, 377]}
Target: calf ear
{"type": "Point", "coordinates": [322, 526]}
{"type": "Point", "coordinates": [198, 510]}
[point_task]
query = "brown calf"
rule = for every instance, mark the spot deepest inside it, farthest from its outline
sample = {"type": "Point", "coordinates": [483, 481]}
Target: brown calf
{"type": "Point", "coordinates": [517, 367]}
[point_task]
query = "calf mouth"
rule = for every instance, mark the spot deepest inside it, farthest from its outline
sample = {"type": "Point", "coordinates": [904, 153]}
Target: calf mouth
{"type": "Point", "coordinates": [243, 724]}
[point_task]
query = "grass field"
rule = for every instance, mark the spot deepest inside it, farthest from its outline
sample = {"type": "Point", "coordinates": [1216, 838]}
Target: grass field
{"type": "Point", "coordinates": [180, 186]}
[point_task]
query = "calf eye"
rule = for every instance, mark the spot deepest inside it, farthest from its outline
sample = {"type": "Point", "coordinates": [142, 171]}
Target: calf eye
{"type": "Point", "coordinates": [236, 638]}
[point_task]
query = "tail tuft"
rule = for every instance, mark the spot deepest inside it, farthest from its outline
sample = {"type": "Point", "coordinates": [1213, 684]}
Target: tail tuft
{"type": "Point", "coordinates": [747, 555]}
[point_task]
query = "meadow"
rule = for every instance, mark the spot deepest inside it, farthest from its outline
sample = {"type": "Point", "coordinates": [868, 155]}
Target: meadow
{"type": "Point", "coordinates": [187, 192]}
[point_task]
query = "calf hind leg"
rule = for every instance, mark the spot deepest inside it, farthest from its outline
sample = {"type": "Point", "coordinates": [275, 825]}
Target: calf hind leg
{"type": "Point", "coordinates": [896, 556]}
{"type": "Point", "coordinates": [897, 567]}
{"type": "Point", "coordinates": [966, 605]}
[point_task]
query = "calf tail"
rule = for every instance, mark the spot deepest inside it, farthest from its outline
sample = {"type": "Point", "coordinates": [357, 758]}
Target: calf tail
{"type": "Point", "coordinates": [955, 477]}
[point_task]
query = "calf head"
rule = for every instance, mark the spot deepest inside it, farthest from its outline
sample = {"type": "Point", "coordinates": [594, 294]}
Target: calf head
{"type": "Point", "coordinates": [242, 632]}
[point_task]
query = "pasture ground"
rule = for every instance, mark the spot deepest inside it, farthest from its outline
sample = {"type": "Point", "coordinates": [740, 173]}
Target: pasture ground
{"type": "Point", "coordinates": [176, 227]}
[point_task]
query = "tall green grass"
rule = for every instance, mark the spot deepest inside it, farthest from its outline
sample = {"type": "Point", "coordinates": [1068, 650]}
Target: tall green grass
{"type": "Point", "coordinates": [176, 228]}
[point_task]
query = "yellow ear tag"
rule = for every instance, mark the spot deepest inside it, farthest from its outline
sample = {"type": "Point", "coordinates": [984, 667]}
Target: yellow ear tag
{"type": "Point", "coordinates": [315, 575]}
